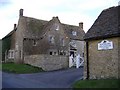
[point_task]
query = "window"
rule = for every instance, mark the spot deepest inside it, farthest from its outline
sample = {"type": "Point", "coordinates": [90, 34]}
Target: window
{"type": "Point", "coordinates": [55, 53]}
{"type": "Point", "coordinates": [57, 27]}
{"type": "Point", "coordinates": [11, 54]}
{"type": "Point", "coordinates": [73, 44]}
{"type": "Point", "coordinates": [51, 39]}
{"type": "Point", "coordinates": [62, 42]}
{"type": "Point", "coordinates": [34, 43]}
{"type": "Point", "coordinates": [74, 33]}
{"type": "Point", "coordinates": [50, 53]}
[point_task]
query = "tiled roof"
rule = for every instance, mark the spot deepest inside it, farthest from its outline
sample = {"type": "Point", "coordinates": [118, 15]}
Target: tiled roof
{"type": "Point", "coordinates": [106, 25]}
{"type": "Point", "coordinates": [37, 27]}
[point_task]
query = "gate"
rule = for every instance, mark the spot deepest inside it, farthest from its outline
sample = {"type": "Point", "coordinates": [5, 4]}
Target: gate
{"type": "Point", "coordinates": [76, 61]}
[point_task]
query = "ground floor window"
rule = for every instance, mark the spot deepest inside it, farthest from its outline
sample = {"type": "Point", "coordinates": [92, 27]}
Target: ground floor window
{"type": "Point", "coordinates": [11, 54]}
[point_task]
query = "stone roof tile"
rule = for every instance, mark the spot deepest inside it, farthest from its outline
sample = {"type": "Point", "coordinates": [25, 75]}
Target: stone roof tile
{"type": "Point", "coordinates": [106, 25]}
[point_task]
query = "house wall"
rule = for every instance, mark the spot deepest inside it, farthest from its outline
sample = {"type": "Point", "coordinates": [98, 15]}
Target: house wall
{"type": "Point", "coordinates": [43, 45]}
{"type": "Point", "coordinates": [47, 62]}
{"type": "Point", "coordinates": [80, 47]}
{"type": "Point", "coordinates": [19, 40]}
{"type": "Point", "coordinates": [102, 63]}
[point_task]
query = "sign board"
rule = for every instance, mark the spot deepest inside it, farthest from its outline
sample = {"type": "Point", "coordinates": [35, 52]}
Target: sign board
{"type": "Point", "coordinates": [105, 45]}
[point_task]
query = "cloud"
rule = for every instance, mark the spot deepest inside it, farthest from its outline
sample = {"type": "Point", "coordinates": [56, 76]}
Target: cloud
{"type": "Point", "coordinates": [69, 11]}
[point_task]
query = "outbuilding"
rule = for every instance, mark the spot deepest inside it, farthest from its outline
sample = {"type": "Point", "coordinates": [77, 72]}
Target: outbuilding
{"type": "Point", "coordinates": [102, 50]}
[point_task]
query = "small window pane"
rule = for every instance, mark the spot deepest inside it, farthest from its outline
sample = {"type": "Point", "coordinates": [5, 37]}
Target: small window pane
{"type": "Point", "coordinates": [74, 33]}
{"type": "Point", "coordinates": [50, 53]}
{"type": "Point", "coordinates": [34, 42]}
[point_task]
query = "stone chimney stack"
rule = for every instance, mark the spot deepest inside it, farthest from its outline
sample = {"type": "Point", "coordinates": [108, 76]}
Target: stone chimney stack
{"type": "Point", "coordinates": [21, 12]}
{"type": "Point", "coordinates": [15, 26]}
{"type": "Point", "coordinates": [81, 25]}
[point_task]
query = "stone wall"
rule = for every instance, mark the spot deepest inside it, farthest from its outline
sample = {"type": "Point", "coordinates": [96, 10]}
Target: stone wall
{"type": "Point", "coordinates": [47, 62]}
{"type": "Point", "coordinates": [102, 63]}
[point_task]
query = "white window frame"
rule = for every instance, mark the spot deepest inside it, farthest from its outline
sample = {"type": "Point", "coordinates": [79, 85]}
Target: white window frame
{"type": "Point", "coordinates": [57, 28]}
{"type": "Point", "coordinates": [51, 39]}
{"type": "Point", "coordinates": [74, 33]}
{"type": "Point", "coordinates": [11, 54]}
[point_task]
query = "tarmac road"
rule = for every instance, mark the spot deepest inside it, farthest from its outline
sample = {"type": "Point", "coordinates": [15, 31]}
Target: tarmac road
{"type": "Point", "coordinates": [54, 79]}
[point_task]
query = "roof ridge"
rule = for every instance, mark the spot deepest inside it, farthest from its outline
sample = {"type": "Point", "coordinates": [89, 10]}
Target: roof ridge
{"type": "Point", "coordinates": [35, 18]}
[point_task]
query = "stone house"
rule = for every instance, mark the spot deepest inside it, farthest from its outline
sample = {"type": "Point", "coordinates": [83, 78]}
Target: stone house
{"type": "Point", "coordinates": [41, 43]}
{"type": "Point", "coordinates": [102, 49]}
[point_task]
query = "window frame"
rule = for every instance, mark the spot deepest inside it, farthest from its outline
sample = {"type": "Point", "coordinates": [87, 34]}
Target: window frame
{"type": "Point", "coordinates": [11, 54]}
{"type": "Point", "coordinates": [74, 33]}
{"type": "Point", "coordinates": [34, 42]}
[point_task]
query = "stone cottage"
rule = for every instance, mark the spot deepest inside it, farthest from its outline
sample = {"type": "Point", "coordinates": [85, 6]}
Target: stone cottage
{"type": "Point", "coordinates": [41, 43]}
{"type": "Point", "coordinates": [102, 49]}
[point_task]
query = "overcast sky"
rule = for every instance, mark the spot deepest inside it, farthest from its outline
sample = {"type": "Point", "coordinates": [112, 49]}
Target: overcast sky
{"type": "Point", "coordinates": [69, 11]}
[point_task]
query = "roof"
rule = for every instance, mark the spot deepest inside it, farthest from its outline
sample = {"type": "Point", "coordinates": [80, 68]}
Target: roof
{"type": "Point", "coordinates": [9, 34]}
{"type": "Point", "coordinates": [36, 28]}
{"type": "Point", "coordinates": [106, 25]}
{"type": "Point", "coordinates": [70, 28]}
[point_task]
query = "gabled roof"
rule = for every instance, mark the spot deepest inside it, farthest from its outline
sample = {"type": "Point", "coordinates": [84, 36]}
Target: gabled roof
{"type": "Point", "coordinates": [79, 32]}
{"type": "Point", "coordinates": [106, 25]}
{"type": "Point", "coordinates": [36, 28]}
{"type": "Point", "coordinates": [9, 34]}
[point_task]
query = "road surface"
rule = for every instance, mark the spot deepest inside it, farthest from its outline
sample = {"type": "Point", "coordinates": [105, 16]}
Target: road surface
{"type": "Point", "coordinates": [54, 79]}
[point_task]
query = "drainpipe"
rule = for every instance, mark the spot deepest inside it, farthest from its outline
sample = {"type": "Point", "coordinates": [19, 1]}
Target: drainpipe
{"type": "Point", "coordinates": [87, 58]}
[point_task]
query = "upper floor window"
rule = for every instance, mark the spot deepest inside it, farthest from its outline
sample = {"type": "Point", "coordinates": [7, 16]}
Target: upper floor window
{"type": "Point", "coordinates": [73, 43]}
{"type": "Point", "coordinates": [57, 27]}
{"type": "Point", "coordinates": [62, 42]}
{"type": "Point", "coordinates": [74, 33]}
{"type": "Point", "coordinates": [51, 39]}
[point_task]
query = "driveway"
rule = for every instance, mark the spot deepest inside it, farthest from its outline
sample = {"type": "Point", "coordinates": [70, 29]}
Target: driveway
{"type": "Point", "coordinates": [54, 79]}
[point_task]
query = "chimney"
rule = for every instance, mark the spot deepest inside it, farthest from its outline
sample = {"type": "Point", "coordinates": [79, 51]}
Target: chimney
{"type": "Point", "coordinates": [15, 26]}
{"type": "Point", "coordinates": [81, 25]}
{"type": "Point", "coordinates": [21, 12]}
{"type": "Point", "coordinates": [55, 17]}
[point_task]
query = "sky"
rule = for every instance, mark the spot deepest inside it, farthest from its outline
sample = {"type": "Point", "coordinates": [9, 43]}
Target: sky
{"type": "Point", "coordinates": [69, 11]}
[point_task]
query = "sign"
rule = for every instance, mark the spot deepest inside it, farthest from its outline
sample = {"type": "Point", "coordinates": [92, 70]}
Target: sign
{"type": "Point", "coordinates": [105, 45]}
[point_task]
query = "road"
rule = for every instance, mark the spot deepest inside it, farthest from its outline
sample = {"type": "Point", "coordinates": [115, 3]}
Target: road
{"type": "Point", "coordinates": [54, 79]}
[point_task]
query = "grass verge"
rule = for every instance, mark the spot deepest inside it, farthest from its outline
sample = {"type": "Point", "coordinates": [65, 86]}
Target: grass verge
{"type": "Point", "coordinates": [102, 83]}
{"type": "Point", "coordinates": [20, 68]}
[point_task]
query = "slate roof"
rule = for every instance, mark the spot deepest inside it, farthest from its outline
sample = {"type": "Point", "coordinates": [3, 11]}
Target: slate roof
{"type": "Point", "coordinates": [106, 25]}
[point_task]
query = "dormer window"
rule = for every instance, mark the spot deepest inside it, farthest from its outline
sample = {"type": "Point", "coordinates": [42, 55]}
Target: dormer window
{"type": "Point", "coordinates": [57, 28]}
{"type": "Point", "coordinates": [74, 33]}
